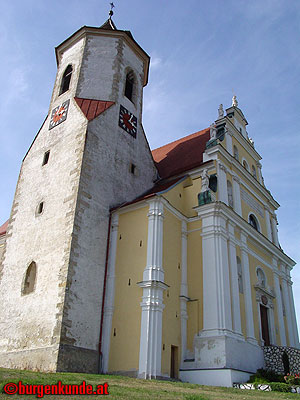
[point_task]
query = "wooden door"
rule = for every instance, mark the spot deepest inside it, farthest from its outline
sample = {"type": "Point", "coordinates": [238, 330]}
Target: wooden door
{"type": "Point", "coordinates": [264, 325]}
{"type": "Point", "coordinates": [174, 362]}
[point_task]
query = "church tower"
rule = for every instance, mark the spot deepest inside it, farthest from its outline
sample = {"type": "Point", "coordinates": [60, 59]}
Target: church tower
{"type": "Point", "coordinates": [90, 156]}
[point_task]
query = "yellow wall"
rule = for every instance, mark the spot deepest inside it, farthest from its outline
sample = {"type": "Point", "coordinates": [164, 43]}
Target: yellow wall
{"type": "Point", "coordinates": [195, 283]}
{"type": "Point", "coordinates": [171, 325]}
{"type": "Point", "coordinates": [130, 264]}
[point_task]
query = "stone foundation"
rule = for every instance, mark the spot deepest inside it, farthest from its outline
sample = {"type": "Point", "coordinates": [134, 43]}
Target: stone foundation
{"type": "Point", "coordinates": [274, 359]}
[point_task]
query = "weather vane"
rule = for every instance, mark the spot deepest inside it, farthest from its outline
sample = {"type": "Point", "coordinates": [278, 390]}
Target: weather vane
{"type": "Point", "coordinates": [111, 13]}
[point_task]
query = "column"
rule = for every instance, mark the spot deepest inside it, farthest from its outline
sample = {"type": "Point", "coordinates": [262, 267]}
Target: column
{"type": "Point", "coordinates": [279, 304]}
{"type": "Point", "coordinates": [216, 284]}
{"type": "Point", "coordinates": [152, 301]}
{"type": "Point", "coordinates": [235, 294]}
{"type": "Point", "coordinates": [237, 195]}
{"type": "Point", "coordinates": [288, 312]}
{"type": "Point", "coordinates": [259, 174]}
{"type": "Point", "coordinates": [293, 316]}
{"type": "Point", "coordinates": [268, 223]}
{"type": "Point", "coordinates": [275, 231]}
{"type": "Point", "coordinates": [110, 292]}
{"type": "Point", "coordinates": [222, 182]}
{"type": "Point", "coordinates": [247, 290]}
{"type": "Point", "coordinates": [183, 290]}
{"type": "Point", "coordinates": [229, 141]}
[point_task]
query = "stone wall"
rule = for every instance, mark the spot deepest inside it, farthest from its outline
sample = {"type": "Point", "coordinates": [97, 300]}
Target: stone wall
{"type": "Point", "coordinates": [274, 359]}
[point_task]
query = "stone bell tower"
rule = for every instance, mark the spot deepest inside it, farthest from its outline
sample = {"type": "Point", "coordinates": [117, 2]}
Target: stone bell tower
{"type": "Point", "coordinates": [90, 155]}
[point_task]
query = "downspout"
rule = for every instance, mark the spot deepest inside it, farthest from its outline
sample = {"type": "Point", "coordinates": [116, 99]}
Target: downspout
{"type": "Point", "coordinates": [103, 297]}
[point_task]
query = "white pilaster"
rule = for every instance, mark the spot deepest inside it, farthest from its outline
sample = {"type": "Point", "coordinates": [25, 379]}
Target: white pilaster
{"type": "Point", "coordinates": [183, 290]}
{"type": "Point", "coordinates": [279, 305]}
{"type": "Point", "coordinates": [288, 312]}
{"type": "Point", "coordinates": [275, 231]}
{"type": "Point", "coordinates": [237, 195]}
{"type": "Point", "coordinates": [110, 293]}
{"type": "Point", "coordinates": [152, 301]}
{"type": "Point", "coordinates": [268, 223]}
{"type": "Point", "coordinates": [222, 182]}
{"type": "Point", "coordinates": [247, 290]}
{"type": "Point", "coordinates": [235, 295]}
{"type": "Point", "coordinates": [293, 316]}
{"type": "Point", "coordinates": [229, 141]}
{"type": "Point", "coordinates": [216, 284]}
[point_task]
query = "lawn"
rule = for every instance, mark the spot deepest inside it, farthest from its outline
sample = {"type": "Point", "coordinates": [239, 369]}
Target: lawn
{"type": "Point", "coordinates": [121, 388]}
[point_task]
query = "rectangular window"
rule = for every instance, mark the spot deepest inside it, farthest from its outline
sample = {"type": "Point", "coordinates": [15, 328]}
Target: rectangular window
{"type": "Point", "coordinates": [46, 157]}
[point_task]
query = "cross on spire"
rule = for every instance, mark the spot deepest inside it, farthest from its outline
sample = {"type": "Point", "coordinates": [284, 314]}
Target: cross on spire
{"type": "Point", "coordinates": [111, 13]}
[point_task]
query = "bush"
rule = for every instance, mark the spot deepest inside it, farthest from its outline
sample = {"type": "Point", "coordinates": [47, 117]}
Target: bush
{"type": "Point", "coordinates": [264, 376]}
{"type": "Point", "coordinates": [292, 379]}
{"type": "Point", "coordinates": [280, 387]}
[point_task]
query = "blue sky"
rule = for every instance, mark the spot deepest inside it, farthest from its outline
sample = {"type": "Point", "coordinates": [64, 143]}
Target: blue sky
{"type": "Point", "coordinates": [200, 53]}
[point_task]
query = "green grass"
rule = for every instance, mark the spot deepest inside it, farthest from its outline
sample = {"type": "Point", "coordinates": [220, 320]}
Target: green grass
{"type": "Point", "coordinates": [121, 388]}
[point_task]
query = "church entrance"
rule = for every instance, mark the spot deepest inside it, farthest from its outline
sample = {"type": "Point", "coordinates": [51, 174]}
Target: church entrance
{"type": "Point", "coordinates": [174, 362]}
{"type": "Point", "coordinates": [264, 325]}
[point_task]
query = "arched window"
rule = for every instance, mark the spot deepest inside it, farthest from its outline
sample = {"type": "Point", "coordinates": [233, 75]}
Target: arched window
{"type": "Point", "coordinates": [240, 274]}
{"type": "Point", "coordinates": [65, 83]}
{"type": "Point", "coordinates": [235, 153]}
{"type": "Point", "coordinates": [129, 85]}
{"type": "Point", "coordinates": [254, 172]}
{"type": "Point", "coordinates": [253, 222]}
{"type": "Point", "coordinates": [230, 194]}
{"type": "Point", "coordinates": [261, 277]}
{"type": "Point", "coordinates": [30, 277]}
{"type": "Point", "coordinates": [245, 165]}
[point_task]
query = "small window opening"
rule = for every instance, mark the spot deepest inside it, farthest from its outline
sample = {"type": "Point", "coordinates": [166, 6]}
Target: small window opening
{"type": "Point", "coordinates": [120, 237]}
{"type": "Point", "coordinates": [245, 165]}
{"type": "Point", "coordinates": [176, 314]}
{"type": "Point", "coordinates": [129, 282]}
{"type": "Point", "coordinates": [179, 194]}
{"type": "Point", "coordinates": [46, 157]}
{"type": "Point", "coordinates": [241, 130]}
{"type": "Point", "coordinates": [141, 243]}
{"type": "Point", "coordinates": [132, 169]}
{"type": "Point", "coordinates": [164, 347]}
{"type": "Point", "coordinates": [115, 332]}
{"type": "Point", "coordinates": [129, 85]}
{"type": "Point", "coordinates": [30, 278]}
{"type": "Point", "coordinates": [253, 221]}
{"type": "Point", "coordinates": [40, 208]}
{"type": "Point", "coordinates": [254, 172]}
{"type": "Point", "coordinates": [65, 83]}
{"type": "Point", "coordinates": [179, 265]}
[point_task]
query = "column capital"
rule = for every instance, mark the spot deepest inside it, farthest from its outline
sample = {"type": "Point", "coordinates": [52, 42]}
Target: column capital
{"type": "Point", "coordinates": [222, 166]}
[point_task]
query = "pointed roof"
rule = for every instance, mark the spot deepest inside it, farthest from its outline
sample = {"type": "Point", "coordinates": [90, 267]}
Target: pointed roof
{"type": "Point", "coordinates": [109, 25]}
{"type": "Point", "coordinates": [182, 155]}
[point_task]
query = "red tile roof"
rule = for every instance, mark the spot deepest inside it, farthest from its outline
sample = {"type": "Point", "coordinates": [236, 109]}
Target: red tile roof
{"type": "Point", "coordinates": [182, 155]}
{"type": "Point", "coordinates": [3, 228]}
{"type": "Point", "coordinates": [93, 108]}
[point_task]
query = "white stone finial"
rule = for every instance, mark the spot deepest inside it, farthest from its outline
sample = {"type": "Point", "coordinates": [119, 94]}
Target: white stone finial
{"type": "Point", "coordinates": [234, 101]}
{"type": "Point", "coordinates": [220, 111]}
{"type": "Point", "coordinates": [213, 132]}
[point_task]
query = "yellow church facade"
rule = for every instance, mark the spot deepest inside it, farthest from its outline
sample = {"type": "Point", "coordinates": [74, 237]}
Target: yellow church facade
{"type": "Point", "coordinates": [216, 286]}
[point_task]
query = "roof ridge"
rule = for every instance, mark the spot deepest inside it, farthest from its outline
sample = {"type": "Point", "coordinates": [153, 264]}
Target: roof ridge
{"type": "Point", "coordinates": [184, 137]}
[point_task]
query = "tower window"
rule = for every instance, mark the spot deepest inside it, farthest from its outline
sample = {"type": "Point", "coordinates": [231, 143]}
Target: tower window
{"type": "Point", "coordinates": [46, 157]}
{"type": "Point", "coordinates": [65, 83]}
{"type": "Point", "coordinates": [40, 208]}
{"type": "Point", "coordinates": [129, 85]}
{"type": "Point", "coordinates": [30, 278]}
{"type": "Point", "coordinates": [245, 165]}
{"type": "Point", "coordinates": [253, 222]}
{"type": "Point", "coordinates": [254, 172]}
{"type": "Point", "coordinates": [133, 169]}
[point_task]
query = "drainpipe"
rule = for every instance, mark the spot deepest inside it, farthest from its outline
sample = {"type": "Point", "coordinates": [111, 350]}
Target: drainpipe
{"type": "Point", "coordinates": [103, 297]}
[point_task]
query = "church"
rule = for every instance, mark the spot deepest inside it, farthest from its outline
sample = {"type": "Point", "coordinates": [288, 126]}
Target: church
{"type": "Point", "coordinates": [154, 264]}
